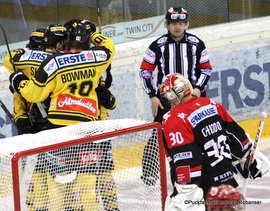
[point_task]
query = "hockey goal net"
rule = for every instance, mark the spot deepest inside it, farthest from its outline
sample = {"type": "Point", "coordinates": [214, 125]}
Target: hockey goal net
{"type": "Point", "coordinates": [88, 166]}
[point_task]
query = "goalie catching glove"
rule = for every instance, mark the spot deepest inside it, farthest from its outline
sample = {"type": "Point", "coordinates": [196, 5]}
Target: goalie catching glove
{"type": "Point", "coordinates": [259, 167]}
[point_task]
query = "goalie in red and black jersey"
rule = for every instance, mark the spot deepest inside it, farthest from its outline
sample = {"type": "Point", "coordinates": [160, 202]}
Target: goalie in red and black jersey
{"type": "Point", "coordinates": [203, 142]}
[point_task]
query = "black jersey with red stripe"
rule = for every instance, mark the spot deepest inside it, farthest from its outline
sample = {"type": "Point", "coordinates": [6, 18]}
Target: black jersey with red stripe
{"type": "Point", "coordinates": [203, 140]}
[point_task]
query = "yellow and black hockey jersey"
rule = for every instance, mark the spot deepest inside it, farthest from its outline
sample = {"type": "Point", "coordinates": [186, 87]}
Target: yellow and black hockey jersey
{"type": "Point", "coordinates": [27, 61]}
{"type": "Point", "coordinates": [70, 81]}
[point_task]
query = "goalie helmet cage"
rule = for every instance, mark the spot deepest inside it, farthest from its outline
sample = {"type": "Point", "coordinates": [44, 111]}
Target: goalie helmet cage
{"type": "Point", "coordinates": [88, 166]}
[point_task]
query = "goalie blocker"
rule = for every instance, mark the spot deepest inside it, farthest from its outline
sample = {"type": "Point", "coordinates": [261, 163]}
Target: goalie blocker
{"type": "Point", "coordinates": [259, 167]}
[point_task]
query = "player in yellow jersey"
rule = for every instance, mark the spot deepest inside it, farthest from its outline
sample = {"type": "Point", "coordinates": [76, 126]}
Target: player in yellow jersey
{"type": "Point", "coordinates": [28, 116]}
{"type": "Point", "coordinates": [96, 162]}
{"type": "Point", "coordinates": [22, 60]}
{"type": "Point", "coordinates": [71, 79]}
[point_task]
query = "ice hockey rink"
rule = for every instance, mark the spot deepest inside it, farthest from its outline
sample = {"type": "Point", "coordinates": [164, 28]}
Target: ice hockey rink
{"type": "Point", "coordinates": [258, 191]}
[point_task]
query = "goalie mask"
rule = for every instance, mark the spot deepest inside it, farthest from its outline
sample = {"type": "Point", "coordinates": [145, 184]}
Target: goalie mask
{"type": "Point", "coordinates": [175, 88]}
{"type": "Point", "coordinates": [224, 197]}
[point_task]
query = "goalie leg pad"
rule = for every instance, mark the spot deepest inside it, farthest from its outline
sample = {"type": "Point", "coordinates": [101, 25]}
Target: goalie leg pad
{"type": "Point", "coordinates": [188, 198]}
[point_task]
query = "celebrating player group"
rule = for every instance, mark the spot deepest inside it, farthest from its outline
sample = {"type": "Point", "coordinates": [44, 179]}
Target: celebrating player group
{"type": "Point", "coordinates": [62, 77]}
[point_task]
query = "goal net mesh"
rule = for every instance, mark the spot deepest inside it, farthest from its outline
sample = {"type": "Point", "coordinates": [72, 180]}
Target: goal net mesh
{"type": "Point", "coordinates": [88, 166]}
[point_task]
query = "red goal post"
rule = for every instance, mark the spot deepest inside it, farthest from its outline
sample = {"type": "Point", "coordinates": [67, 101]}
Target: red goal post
{"type": "Point", "coordinates": [88, 166]}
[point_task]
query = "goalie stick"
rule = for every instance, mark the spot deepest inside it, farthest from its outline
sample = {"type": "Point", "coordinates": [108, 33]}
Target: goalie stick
{"type": "Point", "coordinates": [254, 147]}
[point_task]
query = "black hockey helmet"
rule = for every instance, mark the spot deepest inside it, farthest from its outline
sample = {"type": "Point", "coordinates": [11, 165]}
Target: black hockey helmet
{"type": "Point", "coordinates": [79, 33]}
{"type": "Point", "coordinates": [176, 14]}
{"type": "Point", "coordinates": [69, 24]}
{"type": "Point", "coordinates": [90, 27]}
{"type": "Point", "coordinates": [36, 39]}
{"type": "Point", "coordinates": [55, 33]}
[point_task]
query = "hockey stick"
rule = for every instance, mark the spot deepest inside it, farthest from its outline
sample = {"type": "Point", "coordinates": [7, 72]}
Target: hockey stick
{"type": "Point", "coordinates": [254, 148]}
{"type": "Point", "coordinates": [39, 105]}
{"type": "Point", "coordinates": [7, 112]}
{"type": "Point", "coordinates": [9, 52]}
{"type": "Point", "coordinates": [10, 116]}
{"type": "Point", "coordinates": [98, 16]}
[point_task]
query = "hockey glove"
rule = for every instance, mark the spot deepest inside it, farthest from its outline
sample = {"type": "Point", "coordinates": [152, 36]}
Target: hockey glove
{"type": "Point", "coordinates": [11, 89]}
{"type": "Point", "coordinates": [15, 80]}
{"type": "Point", "coordinates": [105, 97]}
{"type": "Point", "coordinates": [24, 126]}
{"type": "Point", "coordinates": [259, 167]}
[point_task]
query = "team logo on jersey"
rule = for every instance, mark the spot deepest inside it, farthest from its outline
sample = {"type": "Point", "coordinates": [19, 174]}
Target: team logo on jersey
{"type": "Point", "coordinates": [50, 67]}
{"type": "Point", "coordinates": [81, 105]}
{"type": "Point", "coordinates": [38, 56]}
{"type": "Point", "coordinates": [201, 114]}
{"type": "Point", "coordinates": [78, 58]}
